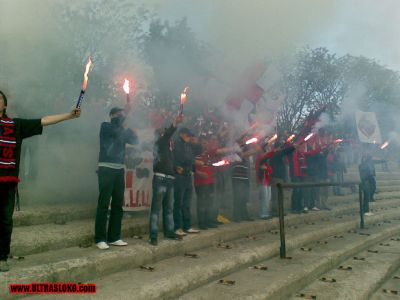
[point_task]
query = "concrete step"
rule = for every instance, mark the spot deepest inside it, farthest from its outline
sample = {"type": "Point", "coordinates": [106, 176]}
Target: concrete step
{"type": "Point", "coordinates": [47, 214]}
{"type": "Point", "coordinates": [67, 212]}
{"type": "Point", "coordinates": [44, 237]}
{"type": "Point", "coordinates": [388, 182]}
{"type": "Point", "coordinates": [390, 289]}
{"type": "Point", "coordinates": [379, 176]}
{"type": "Point", "coordinates": [83, 264]}
{"type": "Point", "coordinates": [365, 277]}
{"type": "Point", "coordinates": [41, 238]}
{"type": "Point", "coordinates": [286, 276]}
{"type": "Point", "coordinates": [387, 188]}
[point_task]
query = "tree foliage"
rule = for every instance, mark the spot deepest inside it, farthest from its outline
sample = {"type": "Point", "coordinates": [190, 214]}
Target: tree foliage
{"type": "Point", "coordinates": [318, 78]}
{"type": "Point", "coordinates": [313, 81]}
{"type": "Point", "coordinates": [176, 57]}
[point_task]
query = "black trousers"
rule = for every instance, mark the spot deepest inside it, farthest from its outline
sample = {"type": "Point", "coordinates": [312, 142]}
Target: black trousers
{"type": "Point", "coordinates": [205, 212]}
{"type": "Point", "coordinates": [367, 189]}
{"type": "Point", "coordinates": [297, 195]}
{"type": "Point", "coordinates": [241, 195]}
{"type": "Point", "coordinates": [111, 185]}
{"type": "Point", "coordinates": [7, 202]}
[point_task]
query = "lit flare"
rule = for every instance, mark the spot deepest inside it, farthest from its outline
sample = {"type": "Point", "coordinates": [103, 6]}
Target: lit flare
{"type": "Point", "coordinates": [290, 138]}
{"type": "Point", "coordinates": [385, 144]}
{"type": "Point", "coordinates": [86, 74]}
{"type": "Point", "coordinates": [337, 141]}
{"type": "Point", "coordinates": [126, 86]}
{"type": "Point", "coordinates": [184, 95]}
{"type": "Point", "coordinates": [309, 136]}
{"type": "Point", "coordinates": [220, 163]}
{"type": "Point", "coordinates": [251, 141]}
{"type": "Point", "coordinates": [273, 138]}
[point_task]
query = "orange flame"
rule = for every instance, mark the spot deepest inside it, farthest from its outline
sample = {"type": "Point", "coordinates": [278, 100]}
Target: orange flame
{"type": "Point", "coordinates": [337, 141]}
{"type": "Point", "coordinates": [126, 86]}
{"type": "Point", "coordinates": [273, 138]}
{"type": "Point", "coordinates": [385, 144]}
{"type": "Point", "coordinates": [184, 95]}
{"type": "Point", "coordinates": [309, 136]}
{"type": "Point", "coordinates": [251, 141]}
{"type": "Point", "coordinates": [221, 163]}
{"type": "Point", "coordinates": [86, 74]}
{"type": "Point", "coordinates": [290, 138]}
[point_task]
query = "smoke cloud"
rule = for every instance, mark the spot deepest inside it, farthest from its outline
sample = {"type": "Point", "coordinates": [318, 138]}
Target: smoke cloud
{"type": "Point", "coordinates": [43, 53]}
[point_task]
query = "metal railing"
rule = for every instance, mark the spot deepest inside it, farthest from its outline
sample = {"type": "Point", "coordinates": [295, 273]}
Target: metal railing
{"type": "Point", "coordinates": [281, 186]}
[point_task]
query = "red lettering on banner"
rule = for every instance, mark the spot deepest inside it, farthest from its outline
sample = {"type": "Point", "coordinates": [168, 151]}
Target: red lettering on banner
{"type": "Point", "coordinates": [8, 131]}
{"type": "Point", "coordinates": [129, 179]}
{"type": "Point", "coordinates": [131, 203]}
{"type": "Point", "coordinates": [137, 199]}
{"type": "Point", "coordinates": [8, 153]}
{"type": "Point", "coordinates": [146, 202]}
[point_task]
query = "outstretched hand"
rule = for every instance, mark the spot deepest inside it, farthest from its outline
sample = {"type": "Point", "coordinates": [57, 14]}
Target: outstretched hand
{"type": "Point", "coordinates": [178, 120]}
{"type": "Point", "coordinates": [75, 113]}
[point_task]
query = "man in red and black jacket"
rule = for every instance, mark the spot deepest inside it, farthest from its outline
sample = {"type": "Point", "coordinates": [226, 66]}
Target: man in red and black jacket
{"type": "Point", "coordinates": [204, 186]}
{"type": "Point", "coordinates": [297, 169]}
{"type": "Point", "coordinates": [12, 133]}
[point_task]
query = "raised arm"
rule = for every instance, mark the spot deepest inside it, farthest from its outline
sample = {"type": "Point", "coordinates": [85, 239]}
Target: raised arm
{"type": "Point", "coordinates": [54, 119]}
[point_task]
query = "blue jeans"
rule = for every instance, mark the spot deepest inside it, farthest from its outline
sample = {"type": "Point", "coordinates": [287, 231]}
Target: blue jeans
{"type": "Point", "coordinates": [163, 196]}
{"type": "Point", "coordinates": [265, 200]}
{"type": "Point", "coordinates": [183, 190]}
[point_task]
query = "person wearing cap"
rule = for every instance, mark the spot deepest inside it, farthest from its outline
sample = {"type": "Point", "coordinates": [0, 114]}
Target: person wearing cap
{"type": "Point", "coordinates": [12, 133]}
{"type": "Point", "coordinates": [184, 167]}
{"type": "Point", "coordinates": [111, 177]}
{"type": "Point", "coordinates": [163, 184]}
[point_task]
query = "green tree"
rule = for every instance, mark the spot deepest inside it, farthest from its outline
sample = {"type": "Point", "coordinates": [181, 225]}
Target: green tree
{"type": "Point", "coordinates": [313, 81]}
{"type": "Point", "coordinates": [176, 57]}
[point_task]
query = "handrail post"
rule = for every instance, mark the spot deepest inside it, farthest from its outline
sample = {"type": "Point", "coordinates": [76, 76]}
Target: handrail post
{"type": "Point", "coordinates": [360, 196]}
{"type": "Point", "coordinates": [282, 251]}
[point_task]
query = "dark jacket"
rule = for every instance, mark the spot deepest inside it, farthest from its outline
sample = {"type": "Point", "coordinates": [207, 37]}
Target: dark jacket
{"type": "Point", "coordinates": [278, 165]}
{"type": "Point", "coordinates": [183, 156]}
{"type": "Point", "coordinates": [317, 165]}
{"type": "Point", "coordinates": [113, 140]}
{"type": "Point", "coordinates": [163, 156]}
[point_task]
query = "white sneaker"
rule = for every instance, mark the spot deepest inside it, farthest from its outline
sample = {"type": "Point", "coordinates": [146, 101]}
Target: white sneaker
{"type": "Point", "coordinates": [368, 214]}
{"type": "Point", "coordinates": [192, 230]}
{"type": "Point", "coordinates": [119, 243]}
{"type": "Point", "coordinates": [102, 245]}
{"type": "Point", "coordinates": [180, 232]}
{"type": "Point", "coordinates": [315, 208]}
{"type": "Point", "coordinates": [305, 209]}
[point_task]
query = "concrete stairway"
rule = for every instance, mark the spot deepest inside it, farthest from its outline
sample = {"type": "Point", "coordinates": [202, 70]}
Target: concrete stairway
{"type": "Point", "coordinates": [57, 246]}
{"type": "Point", "coordinates": [369, 269]}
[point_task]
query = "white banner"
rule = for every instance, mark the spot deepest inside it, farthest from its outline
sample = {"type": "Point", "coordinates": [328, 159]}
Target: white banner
{"type": "Point", "coordinates": [368, 128]}
{"type": "Point", "coordinates": [139, 173]}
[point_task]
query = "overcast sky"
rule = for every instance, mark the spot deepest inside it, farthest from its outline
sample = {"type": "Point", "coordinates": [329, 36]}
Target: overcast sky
{"type": "Point", "coordinates": [359, 27]}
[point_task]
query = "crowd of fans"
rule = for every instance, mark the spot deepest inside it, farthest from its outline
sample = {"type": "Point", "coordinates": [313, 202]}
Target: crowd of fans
{"type": "Point", "coordinates": [212, 156]}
